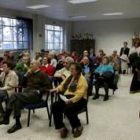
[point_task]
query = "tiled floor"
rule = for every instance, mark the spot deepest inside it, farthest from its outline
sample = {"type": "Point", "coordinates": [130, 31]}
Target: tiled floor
{"type": "Point", "coordinates": [116, 119]}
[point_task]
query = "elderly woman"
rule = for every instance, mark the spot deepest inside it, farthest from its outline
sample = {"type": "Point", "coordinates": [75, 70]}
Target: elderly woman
{"type": "Point", "coordinates": [22, 67]}
{"type": "Point", "coordinates": [46, 67]}
{"type": "Point", "coordinates": [104, 75]}
{"type": "Point", "coordinates": [73, 99]}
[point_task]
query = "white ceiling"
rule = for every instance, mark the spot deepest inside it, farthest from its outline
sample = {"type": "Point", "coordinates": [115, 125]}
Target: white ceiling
{"type": "Point", "coordinates": [62, 10]}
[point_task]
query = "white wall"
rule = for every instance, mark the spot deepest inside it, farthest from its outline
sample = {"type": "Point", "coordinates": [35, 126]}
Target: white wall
{"type": "Point", "coordinates": [109, 34]}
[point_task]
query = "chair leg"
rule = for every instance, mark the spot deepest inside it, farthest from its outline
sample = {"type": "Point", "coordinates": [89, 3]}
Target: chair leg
{"type": "Point", "coordinates": [48, 111]}
{"type": "Point", "coordinates": [33, 111]}
{"type": "Point", "coordinates": [56, 97]}
{"type": "Point", "coordinates": [113, 91]}
{"type": "Point", "coordinates": [28, 121]}
{"type": "Point", "coordinates": [50, 121]}
{"type": "Point", "coordinates": [87, 116]}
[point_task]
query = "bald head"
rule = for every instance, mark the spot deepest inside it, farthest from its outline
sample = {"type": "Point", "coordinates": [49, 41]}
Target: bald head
{"type": "Point", "coordinates": [35, 65]}
{"type": "Point", "coordinates": [85, 60]}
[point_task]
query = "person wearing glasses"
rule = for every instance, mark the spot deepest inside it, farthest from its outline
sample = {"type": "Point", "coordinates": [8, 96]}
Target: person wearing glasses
{"type": "Point", "coordinates": [73, 98]}
{"type": "Point", "coordinates": [64, 72]}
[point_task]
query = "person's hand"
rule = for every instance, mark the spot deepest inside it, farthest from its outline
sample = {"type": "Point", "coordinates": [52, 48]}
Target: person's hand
{"type": "Point", "coordinates": [28, 72]}
{"type": "Point", "coordinates": [25, 65]}
{"type": "Point", "coordinates": [63, 77]}
{"type": "Point", "coordinates": [68, 102]}
{"type": "Point", "coordinates": [53, 90]}
{"type": "Point", "coordinates": [100, 74]}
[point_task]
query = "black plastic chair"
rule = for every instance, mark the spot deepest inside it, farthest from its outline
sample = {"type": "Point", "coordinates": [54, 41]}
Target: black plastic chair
{"type": "Point", "coordinates": [113, 84]}
{"type": "Point", "coordinates": [41, 104]}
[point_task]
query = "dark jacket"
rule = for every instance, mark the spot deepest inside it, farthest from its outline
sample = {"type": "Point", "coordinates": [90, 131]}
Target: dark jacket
{"type": "Point", "coordinates": [124, 51]}
{"type": "Point", "coordinates": [36, 81]}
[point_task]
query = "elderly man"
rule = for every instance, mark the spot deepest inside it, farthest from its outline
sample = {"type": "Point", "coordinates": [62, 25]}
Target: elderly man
{"type": "Point", "coordinates": [64, 72]}
{"type": "Point", "coordinates": [87, 70]}
{"type": "Point", "coordinates": [37, 83]}
{"type": "Point", "coordinates": [7, 77]}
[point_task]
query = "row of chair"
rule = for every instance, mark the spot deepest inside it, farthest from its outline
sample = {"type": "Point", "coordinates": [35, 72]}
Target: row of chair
{"type": "Point", "coordinates": [44, 102]}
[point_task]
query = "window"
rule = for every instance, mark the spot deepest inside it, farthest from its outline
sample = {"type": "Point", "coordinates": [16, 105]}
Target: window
{"type": "Point", "coordinates": [14, 34]}
{"type": "Point", "coordinates": [53, 37]}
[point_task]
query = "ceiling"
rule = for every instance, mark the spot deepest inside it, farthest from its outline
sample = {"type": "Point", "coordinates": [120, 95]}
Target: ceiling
{"type": "Point", "coordinates": [62, 10]}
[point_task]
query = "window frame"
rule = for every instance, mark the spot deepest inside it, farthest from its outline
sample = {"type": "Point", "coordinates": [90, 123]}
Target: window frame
{"type": "Point", "coordinates": [25, 42]}
{"type": "Point", "coordinates": [59, 42]}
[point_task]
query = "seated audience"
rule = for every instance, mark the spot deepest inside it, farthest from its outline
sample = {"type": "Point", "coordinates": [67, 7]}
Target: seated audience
{"type": "Point", "coordinates": [85, 53]}
{"type": "Point", "coordinates": [74, 56]}
{"type": "Point", "coordinates": [60, 63]}
{"type": "Point", "coordinates": [104, 75]}
{"type": "Point", "coordinates": [97, 60]}
{"type": "Point", "coordinates": [37, 57]}
{"type": "Point", "coordinates": [8, 77]}
{"type": "Point", "coordinates": [61, 54]}
{"type": "Point", "coordinates": [64, 72]}
{"type": "Point", "coordinates": [4, 59]}
{"type": "Point", "coordinates": [115, 56]}
{"type": "Point", "coordinates": [91, 53]}
{"type": "Point", "coordinates": [116, 61]}
{"type": "Point", "coordinates": [42, 52]}
{"type": "Point", "coordinates": [53, 60]}
{"type": "Point", "coordinates": [115, 64]}
{"type": "Point", "coordinates": [87, 68]}
{"type": "Point", "coordinates": [21, 55]}
{"type": "Point", "coordinates": [36, 84]}
{"type": "Point", "coordinates": [46, 67]}
{"type": "Point", "coordinates": [25, 54]}
{"type": "Point", "coordinates": [74, 88]}
{"type": "Point", "coordinates": [22, 67]}
{"type": "Point", "coordinates": [101, 52]}
{"type": "Point", "coordinates": [12, 58]}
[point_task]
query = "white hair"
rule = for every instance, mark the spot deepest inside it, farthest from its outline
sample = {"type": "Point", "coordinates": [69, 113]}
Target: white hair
{"type": "Point", "coordinates": [69, 59]}
{"type": "Point", "coordinates": [36, 62]}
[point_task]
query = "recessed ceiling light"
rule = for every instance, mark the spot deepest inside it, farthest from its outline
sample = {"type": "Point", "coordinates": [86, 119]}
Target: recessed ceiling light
{"type": "Point", "coordinates": [38, 6]}
{"type": "Point", "coordinates": [81, 1]}
{"type": "Point", "coordinates": [77, 17]}
{"type": "Point", "coordinates": [112, 14]}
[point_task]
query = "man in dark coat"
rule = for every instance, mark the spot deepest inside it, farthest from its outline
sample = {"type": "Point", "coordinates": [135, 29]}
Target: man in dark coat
{"type": "Point", "coordinates": [125, 49]}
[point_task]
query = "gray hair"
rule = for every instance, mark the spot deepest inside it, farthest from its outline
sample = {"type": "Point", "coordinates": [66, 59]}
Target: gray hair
{"type": "Point", "coordinates": [69, 59]}
{"type": "Point", "coordinates": [36, 62]}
